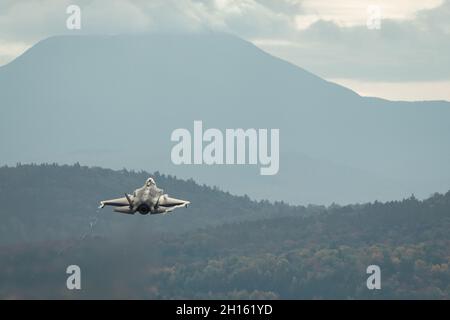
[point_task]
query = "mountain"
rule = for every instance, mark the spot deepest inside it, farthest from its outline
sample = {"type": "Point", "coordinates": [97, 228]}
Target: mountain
{"type": "Point", "coordinates": [222, 246]}
{"type": "Point", "coordinates": [113, 101]}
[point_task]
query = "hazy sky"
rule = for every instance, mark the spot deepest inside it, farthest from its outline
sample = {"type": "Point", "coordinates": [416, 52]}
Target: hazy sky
{"type": "Point", "coordinates": [407, 57]}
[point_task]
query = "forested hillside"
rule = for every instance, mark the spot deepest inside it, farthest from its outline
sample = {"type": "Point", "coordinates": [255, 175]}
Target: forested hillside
{"type": "Point", "coordinates": [51, 202]}
{"type": "Point", "coordinates": [266, 251]}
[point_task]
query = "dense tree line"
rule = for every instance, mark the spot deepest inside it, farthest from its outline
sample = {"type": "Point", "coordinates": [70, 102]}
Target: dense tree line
{"type": "Point", "coordinates": [271, 251]}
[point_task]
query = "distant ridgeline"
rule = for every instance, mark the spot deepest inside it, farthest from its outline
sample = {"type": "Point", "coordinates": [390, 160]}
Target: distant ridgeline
{"type": "Point", "coordinates": [222, 246]}
{"type": "Point", "coordinates": [60, 202]}
{"type": "Point", "coordinates": [52, 202]}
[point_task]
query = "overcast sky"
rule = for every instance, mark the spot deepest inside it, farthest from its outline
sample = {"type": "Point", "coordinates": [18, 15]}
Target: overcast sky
{"type": "Point", "coordinates": [407, 58]}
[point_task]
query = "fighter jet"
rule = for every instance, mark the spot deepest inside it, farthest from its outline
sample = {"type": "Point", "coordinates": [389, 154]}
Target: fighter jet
{"type": "Point", "coordinates": [147, 199]}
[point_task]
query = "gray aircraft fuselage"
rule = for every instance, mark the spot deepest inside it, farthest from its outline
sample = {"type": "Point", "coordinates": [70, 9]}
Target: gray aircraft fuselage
{"type": "Point", "coordinates": [147, 199]}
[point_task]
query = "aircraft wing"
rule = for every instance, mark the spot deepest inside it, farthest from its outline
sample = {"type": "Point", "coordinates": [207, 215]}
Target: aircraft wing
{"type": "Point", "coordinates": [119, 202]}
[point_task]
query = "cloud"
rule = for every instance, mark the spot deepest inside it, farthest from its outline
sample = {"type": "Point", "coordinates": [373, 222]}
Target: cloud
{"type": "Point", "coordinates": [354, 12]}
{"type": "Point", "coordinates": [404, 91]}
{"type": "Point", "coordinates": [402, 50]}
{"type": "Point", "coordinates": [29, 21]}
{"type": "Point", "coordinates": [327, 37]}
{"type": "Point", "coordinates": [10, 50]}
